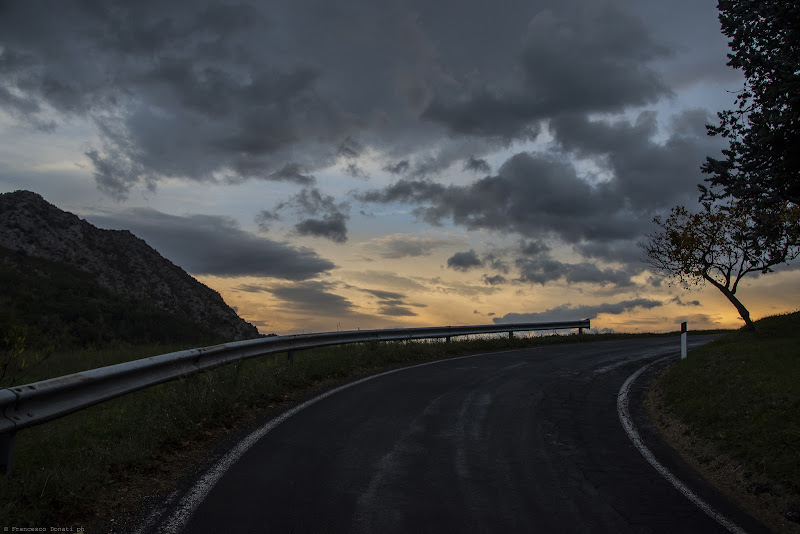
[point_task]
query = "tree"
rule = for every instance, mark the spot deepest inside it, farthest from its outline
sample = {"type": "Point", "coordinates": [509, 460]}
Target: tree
{"type": "Point", "coordinates": [709, 246]}
{"type": "Point", "coordinates": [761, 166]}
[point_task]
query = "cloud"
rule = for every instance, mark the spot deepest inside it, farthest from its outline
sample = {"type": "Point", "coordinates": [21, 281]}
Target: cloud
{"type": "Point", "coordinates": [392, 304]}
{"type": "Point", "coordinates": [384, 295]}
{"type": "Point", "coordinates": [264, 219]}
{"type": "Point", "coordinates": [394, 310]}
{"type": "Point", "coordinates": [213, 245]}
{"type": "Point", "coordinates": [464, 261]}
{"type": "Point", "coordinates": [398, 246]}
{"type": "Point", "coordinates": [328, 218]}
{"type": "Point", "coordinates": [331, 227]}
{"type": "Point", "coordinates": [293, 172]}
{"type": "Point", "coordinates": [531, 194]}
{"type": "Point", "coordinates": [213, 92]}
{"type": "Point", "coordinates": [680, 302]}
{"type": "Point", "coordinates": [546, 269]}
{"type": "Point", "coordinates": [623, 251]}
{"type": "Point", "coordinates": [567, 312]}
{"type": "Point", "coordinates": [311, 296]}
{"type": "Point", "coordinates": [576, 57]}
{"type": "Point", "coordinates": [315, 299]}
{"type": "Point", "coordinates": [647, 173]}
{"type": "Point", "coordinates": [398, 168]}
{"type": "Point", "coordinates": [494, 280]}
{"type": "Point", "coordinates": [356, 172]}
{"type": "Point", "coordinates": [386, 279]}
{"type": "Point", "coordinates": [544, 195]}
{"type": "Point", "coordinates": [496, 263]}
{"type": "Point", "coordinates": [537, 266]}
{"type": "Point", "coordinates": [350, 148]}
{"type": "Point", "coordinates": [533, 248]}
{"type": "Point", "coordinates": [477, 165]}
{"type": "Point", "coordinates": [460, 288]}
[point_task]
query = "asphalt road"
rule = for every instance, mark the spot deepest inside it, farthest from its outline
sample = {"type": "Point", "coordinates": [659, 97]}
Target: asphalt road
{"type": "Point", "coordinates": [520, 441]}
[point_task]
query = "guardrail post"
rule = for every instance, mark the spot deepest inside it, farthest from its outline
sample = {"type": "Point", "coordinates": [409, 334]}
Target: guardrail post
{"type": "Point", "coordinates": [510, 334]}
{"type": "Point", "coordinates": [6, 452]}
{"type": "Point", "coordinates": [290, 357]}
{"type": "Point", "coordinates": [580, 331]}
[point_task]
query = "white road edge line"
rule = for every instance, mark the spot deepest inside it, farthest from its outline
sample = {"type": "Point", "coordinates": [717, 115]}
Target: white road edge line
{"type": "Point", "coordinates": [633, 434]}
{"type": "Point", "coordinates": [195, 496]}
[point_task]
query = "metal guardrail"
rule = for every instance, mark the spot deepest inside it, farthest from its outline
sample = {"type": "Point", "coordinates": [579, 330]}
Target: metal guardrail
{"type": "Point", "coordinates": [32, 404]}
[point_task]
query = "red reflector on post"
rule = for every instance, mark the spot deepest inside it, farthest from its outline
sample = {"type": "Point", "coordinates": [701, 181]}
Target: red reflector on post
{"type": "Point", "coordinates": [683, 327]}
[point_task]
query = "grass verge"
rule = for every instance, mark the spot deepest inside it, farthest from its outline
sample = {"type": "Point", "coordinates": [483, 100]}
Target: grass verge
{"type": "Point", "coordinates": [75, 471]}
{"type": "Point", "coordinates": [738, 398]}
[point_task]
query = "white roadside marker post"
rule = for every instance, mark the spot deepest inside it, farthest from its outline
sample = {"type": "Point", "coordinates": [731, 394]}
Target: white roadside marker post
{"type": "Point", "coordinates": [683, 340]}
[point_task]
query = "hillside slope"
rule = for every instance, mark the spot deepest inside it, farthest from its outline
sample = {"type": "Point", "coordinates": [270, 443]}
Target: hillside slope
{"type": "Point", "coordinates": [116, 260]}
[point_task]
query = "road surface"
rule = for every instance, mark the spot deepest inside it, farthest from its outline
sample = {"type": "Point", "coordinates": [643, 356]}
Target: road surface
{"type": "Point", "coordinates": [519, 441]}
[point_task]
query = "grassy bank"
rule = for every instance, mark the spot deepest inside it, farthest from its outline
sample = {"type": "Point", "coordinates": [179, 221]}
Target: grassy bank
{"type": "Point", "coordinates": [743, 392]}
{"type": "Point", "coordinates": [75, 470]}
{"type": "Point", "coordinates": [740, 397]}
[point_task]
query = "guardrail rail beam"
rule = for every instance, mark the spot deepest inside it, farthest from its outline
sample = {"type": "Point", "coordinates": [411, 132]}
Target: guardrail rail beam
{"type": "Point", "coordinates": [39, 402]}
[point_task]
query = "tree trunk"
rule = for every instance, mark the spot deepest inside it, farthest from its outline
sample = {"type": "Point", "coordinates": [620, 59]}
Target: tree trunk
{"type": "Point", "coordinates": [743, 313]}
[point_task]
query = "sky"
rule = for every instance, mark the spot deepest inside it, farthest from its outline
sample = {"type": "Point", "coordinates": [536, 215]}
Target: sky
{"type": "Point", "coordinates": [356, 164]}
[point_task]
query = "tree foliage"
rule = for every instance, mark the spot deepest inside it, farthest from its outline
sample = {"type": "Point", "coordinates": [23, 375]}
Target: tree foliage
{"type": "Point", "coordinates": [761, 166]}
{"type": "Point", "coordinates": [711, 246]}
{"type": "Point", "coordinates": [16, 358]}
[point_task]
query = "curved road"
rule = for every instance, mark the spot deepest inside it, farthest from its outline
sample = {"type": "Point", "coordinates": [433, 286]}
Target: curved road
{"type": "Point", "coordinates": [519, 441]}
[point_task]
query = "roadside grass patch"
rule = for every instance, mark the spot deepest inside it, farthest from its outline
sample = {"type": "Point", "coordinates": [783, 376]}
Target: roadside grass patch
{"type": "Point", "coordinates": [69, 472]}
{"type": "Point", "coordinates": [742, 392]}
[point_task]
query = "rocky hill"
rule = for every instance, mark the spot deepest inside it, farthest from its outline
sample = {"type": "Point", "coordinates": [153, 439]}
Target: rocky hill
{"type": "Point", "coordinates": [121, 263]}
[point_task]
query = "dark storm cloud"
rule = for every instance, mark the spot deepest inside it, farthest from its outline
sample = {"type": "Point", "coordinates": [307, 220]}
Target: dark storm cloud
{"type": "Point", "coordinates": [536, 266]}
{"type": "Point", "coordinates": [293, 172]}
{"type": "Point", "coordinates": [543, 194]}
{"type": "Point", "coordinates": [531, 194]}
{"type": "Point", "coordinates": [623, 251]}
{"type": "Point", "coordinates": [464, 261]}
{"type": "Point", "coordinates": [648, 174]}
{"type": "Point", "coordinates": [321, 215]}
{"type": "Point", "coordinates": [207, 244]}
{"type": "Point", "coordinates": [477, 165]}
{"type": "Point", "coordinates": [356, 172]}
{"type": "Point", "coordinates": [184, 89]}
{"type": "Point", "coordinates": [398, 168]}
{"type": "Point", "coordinates": [264, 219]}
{"type": "Point", "coordinates": [223, 92]}
{"type": "Point", "coordinates": [569, 313]}
{"type": "Point", "coordinates": [533, 248]}
{"type": "Point", "coordinates": [333, 227]}
{"type": "Point", "coordinates": [544, 269]}
{"type": "Point", "coordinates": [350, 148]}
{"type": "Point", "coordinates": [496, 263]}
{"type": "Point", "coordinates": [576, 57]}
